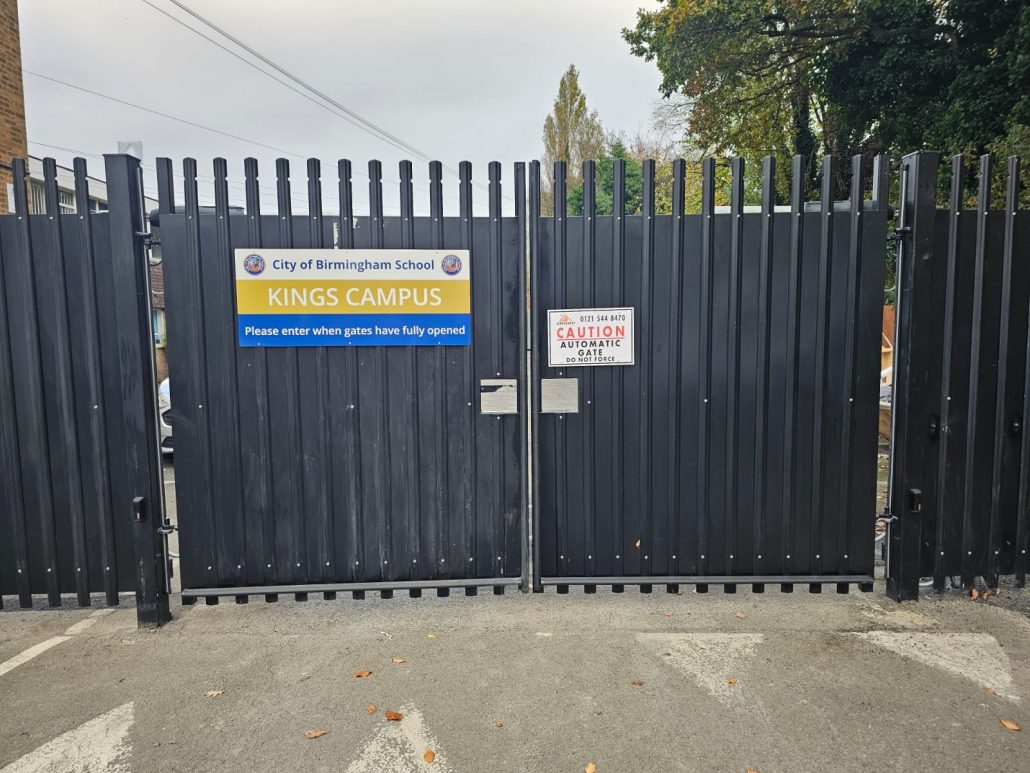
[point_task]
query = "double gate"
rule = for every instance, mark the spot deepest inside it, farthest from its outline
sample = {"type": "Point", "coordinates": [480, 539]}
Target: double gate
{"type": "Point", "coordinates": [738, 448]}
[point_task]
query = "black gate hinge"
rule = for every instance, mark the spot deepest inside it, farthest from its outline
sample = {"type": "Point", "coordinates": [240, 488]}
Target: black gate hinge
{"type": "Point", "coordinates": [149, 240]}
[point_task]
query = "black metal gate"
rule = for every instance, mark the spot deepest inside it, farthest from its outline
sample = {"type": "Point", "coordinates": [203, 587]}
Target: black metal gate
{"type": "Point", "coordinates": [741, 446]}
{"type": "Point", "coordinates": [80, 481]}
{"type": "Point", "coordinates": [960, 498]}
{"type": "Point", "coordinates": [343, 469]}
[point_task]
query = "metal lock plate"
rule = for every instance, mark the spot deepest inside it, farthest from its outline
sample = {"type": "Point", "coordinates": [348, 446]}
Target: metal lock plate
{"type": "Point", "coordinates": [559, 395]}
{"type": "Point", "coordinates": [498, 396]}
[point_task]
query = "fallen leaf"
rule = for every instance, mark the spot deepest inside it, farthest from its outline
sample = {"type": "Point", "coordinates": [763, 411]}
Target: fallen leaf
{"type": "Point", "coordinates": [990, 691]}
{"type": "Point", "coordinates": [371, 708]}
{"type": "Point", "coordinates": [1011, 725]}
{"type": "Point", "coordinates": [638, 543]}
{"type": "Point", "coordinates": [667, 614]}
{"type": "Point", "coordinates": [636, 683]}
{"type": "Point", "coordinates": [429, 756]}
{"type": "Point", "coordinates": [398, 661]}
{"type": "Point", "coordinates": [362, 674]}
{"type": "Point", "coordinates": [431, 636]}
{"type": "Point", "coordinates": [590, 768]}
{"type": "Point", "coordinates": [680, 592]}
{"type": "Point", "coordinates": [731, 680]}
{"type": "Point", "coordinates": [312, 734]}
{"type": "Point", "coordinates": [751, 770]}
{"type": "Point", "coordinates": [741, 615]}
{"type": "Point", "coordinates": [393, 716]}
{"type": "Point", "coordinates": [498, 723]}
{"type": "Point", "coordinates": [213, 693]}
{"type": "Point", "coordinates": [974, 594]}
{"type": "Point", "coordinates": [987, 595]}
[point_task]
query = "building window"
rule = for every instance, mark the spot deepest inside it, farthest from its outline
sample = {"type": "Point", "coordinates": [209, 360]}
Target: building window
{"type": "Point", "coordinates": [158, 324]}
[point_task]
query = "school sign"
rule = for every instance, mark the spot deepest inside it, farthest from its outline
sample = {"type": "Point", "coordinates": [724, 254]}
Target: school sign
{"type": "Point", "coordinates": [353, 297]}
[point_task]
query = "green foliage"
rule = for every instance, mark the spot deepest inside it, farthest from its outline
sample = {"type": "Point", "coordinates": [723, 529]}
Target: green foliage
{"type": "Point", "coordinates": [572, 132]}
{"type": "Point", "coordinates": [786, 77]}
{"type": "Point", "coordinates": [605, 183]}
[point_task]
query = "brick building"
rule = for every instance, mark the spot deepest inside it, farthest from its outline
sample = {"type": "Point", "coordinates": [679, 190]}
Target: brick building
{"type": "Point", "coordinates": [12, 99]}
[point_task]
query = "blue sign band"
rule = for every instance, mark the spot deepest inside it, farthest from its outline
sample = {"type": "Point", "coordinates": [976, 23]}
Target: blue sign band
{"type": "Point", "coordinates": [355, 329]}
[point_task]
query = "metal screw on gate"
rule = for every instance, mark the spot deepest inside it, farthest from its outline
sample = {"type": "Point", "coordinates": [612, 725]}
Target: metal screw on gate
{"type": "Point", "coordinates": [269, 566]}
{"type": "Point", "coordinates": [817, 555]}
{"type": "Point", "coordinates": [969, 552]}
{"type": "Point", "coordinates": [731, 555]}
{"type": "Point", "coordinates": [788, 556]}
{"type": "Point", "coordinates": [702, 555]}
{"type": "Point", "coordinates": [617, 555]}
{"type": "Point", "coordinates": [845, 555]}
{"type": "Point", "coordinates": [209, 568]}
{"type": "Point", "coordinates": [759, 556]}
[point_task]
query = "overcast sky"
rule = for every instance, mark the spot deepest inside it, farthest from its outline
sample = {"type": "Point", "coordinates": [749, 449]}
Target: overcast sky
{"type": "Point", "coordinates": [459, 79]}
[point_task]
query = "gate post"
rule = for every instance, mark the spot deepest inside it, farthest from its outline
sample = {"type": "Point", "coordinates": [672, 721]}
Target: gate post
{"type": "Point", "coordinates": [917, 377]}
{"type": "Point", "coordinates": [138, 389]}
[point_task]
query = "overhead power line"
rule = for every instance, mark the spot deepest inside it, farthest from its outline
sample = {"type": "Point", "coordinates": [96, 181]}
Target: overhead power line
{"type": "Point", "coordinates": [162, 115]}
{"type": "Point", "coordinates": [196, 125]}
{"type": "Point", "coordinates": [351, 116]}
{"type": "Point", "coordinates": [369, 126]}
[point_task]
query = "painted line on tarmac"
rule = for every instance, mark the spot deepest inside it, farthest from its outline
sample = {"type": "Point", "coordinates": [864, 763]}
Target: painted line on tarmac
{"type": "Point", "coordinates": [399, 747]}
{"type": "Point", "coordinates": [974, 656]}
{"type": "Point", "coordinates": [712, 659]}
{"type": "Point", "coordinates": [102, 744]}
{"type": "Point", "coordinates": [38, 649]}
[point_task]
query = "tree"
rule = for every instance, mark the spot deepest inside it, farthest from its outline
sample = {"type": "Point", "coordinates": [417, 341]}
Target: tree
{"type": "Point", "coordinates": [572, 133]}
{"type": "Point", "coordinates": [786, 77]}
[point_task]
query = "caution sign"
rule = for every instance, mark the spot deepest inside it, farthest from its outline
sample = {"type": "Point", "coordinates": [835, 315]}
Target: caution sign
{"type": "Point", "coordinates": [581, 337]}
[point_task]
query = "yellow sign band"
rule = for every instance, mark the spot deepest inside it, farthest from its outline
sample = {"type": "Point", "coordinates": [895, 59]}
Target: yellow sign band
{"type": "Point", "coordinates": [327, 296]}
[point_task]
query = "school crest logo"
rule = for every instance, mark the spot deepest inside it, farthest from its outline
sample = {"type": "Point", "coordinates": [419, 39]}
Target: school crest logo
{"type": "Point", "coordinates": [451, 265]}
{"type": "Point", "coordinates": [254, 264]}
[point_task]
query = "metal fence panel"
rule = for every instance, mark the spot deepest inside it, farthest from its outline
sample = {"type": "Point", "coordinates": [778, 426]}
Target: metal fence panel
{"type": "Point", "coordinates": [741, 446]}
{"type": "Point", "coordinates": [961, 459]}
{"type": "Point", "coordinates": [342, 469]}
{"type": "Point", "coordinates": [66, 438]}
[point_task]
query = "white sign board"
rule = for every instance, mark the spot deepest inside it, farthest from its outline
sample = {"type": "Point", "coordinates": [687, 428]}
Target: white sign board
{"type": "Point", "coordinates": [582, 337]}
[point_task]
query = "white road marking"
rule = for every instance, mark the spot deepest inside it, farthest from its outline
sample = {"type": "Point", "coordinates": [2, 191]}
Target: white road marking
{"type": "Point", "coordinates": [30, 653]}
{"type": "Point", "coordinates": [43, 646]}
{"type": "Point", "coordinates": [710, 658]}
{"type": "Point", "coordinates": [102, 744]}
{"type": "Point", "coordinates": [975, 656]}
{"type": "Point", "coordinates": [82, 625]}
{"type": "Point", "coordinates": [398, 747]}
